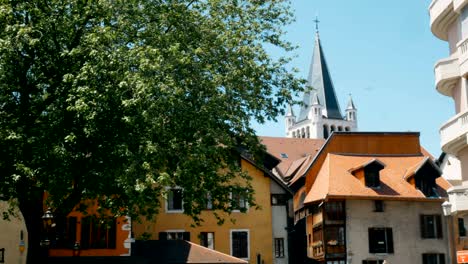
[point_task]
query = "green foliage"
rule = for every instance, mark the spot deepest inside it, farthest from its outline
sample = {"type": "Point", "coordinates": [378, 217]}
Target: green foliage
{"type": "Point", "coordinates": [115, 100]}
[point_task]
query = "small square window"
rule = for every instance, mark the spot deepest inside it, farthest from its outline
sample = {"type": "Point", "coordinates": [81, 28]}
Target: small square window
{"type": "Point", "coordinates": [174, 200]}
{"type": "Point", "coordinates": [378, 206]}
{"type": "Point", "coordinates": [431, 226]}
{"type": "Point", "coordinates": [433, 258]}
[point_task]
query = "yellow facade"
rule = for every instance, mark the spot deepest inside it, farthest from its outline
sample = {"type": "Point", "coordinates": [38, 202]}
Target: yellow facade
{"type": "Point", "coordinates": [256, 221]}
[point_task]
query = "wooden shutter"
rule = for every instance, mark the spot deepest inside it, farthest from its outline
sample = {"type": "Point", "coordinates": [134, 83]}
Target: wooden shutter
{"type": "Point", "coordinates": [162, 236]}
{"type": "Point", "coordinates": [422, 225]}
{"type": "Point", "coordinates": [112, 234]}
{"type": "Point", "coordinates": [85, 232]}
{"type": "Point", "coordinates": [389, 241]}
{"type": "Point", "coordinates": [186, 236]}
{"type": "Point", "coordinates": [441, 259]}
{"type": "Point", "coordinates": [372, 240]}
{"type": "Point", "coordinates": [438, 223]}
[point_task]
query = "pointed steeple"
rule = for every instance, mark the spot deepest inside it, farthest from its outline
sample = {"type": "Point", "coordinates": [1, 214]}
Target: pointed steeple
{"type": "Point", "coordinates": [319, 78]}
{"type": "Point", "coordinates": [289, 111]}
{"type": "Point", "coordinates": [350, 104]}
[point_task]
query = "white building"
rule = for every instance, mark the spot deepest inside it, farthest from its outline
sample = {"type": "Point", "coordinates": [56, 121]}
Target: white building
{"type": "Point", "coordinates": [320, 112]}
{"type": "Point", "coordinates": [449, 22]}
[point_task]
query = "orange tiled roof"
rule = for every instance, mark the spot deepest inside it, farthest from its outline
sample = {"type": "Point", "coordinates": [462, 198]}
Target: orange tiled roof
{"type": "Point", "coordinates": [335, 180]}
{"type": "Point", "coordinates": [300, 152]}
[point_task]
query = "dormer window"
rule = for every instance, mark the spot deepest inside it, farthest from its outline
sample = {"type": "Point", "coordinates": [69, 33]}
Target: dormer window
{"type": "Point", "coordinates": [423, 177]}
{"type": "Point", "coordinates": [372, 177]}
{"type": "Point", "coordinates": [369, 173]}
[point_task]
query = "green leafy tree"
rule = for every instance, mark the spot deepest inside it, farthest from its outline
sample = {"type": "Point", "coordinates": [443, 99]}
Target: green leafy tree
{"type": "Point", "coordinates": [114, 100]}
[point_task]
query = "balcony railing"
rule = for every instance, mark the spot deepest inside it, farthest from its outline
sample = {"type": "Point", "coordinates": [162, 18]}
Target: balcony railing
{"type": "Point", "coordinates": [447, 73]}
{"type": "Point", "coordinates": [458, 196]}
{"type": "Point", "coordinates": [453, 133]}
{"type": "Point", "coordinates": [442, 14]}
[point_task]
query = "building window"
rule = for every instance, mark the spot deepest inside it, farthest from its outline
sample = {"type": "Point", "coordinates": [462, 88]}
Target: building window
{"type": "Point", "coordinates": [209, 202]}
{"type": "Point", "coordinates": [380, 240]}
{"type": "Point", "coordinates": [174, 235]}
{"type": "Point", "coordinates": [239, 201]}
{"type": "Point", "coordinates": [174, 200]}
{"type": "Point", "coordinates": [378, 206]}
{"type": "Point", "coordinates": [461, 227]}
{"type": "Point", "coordinates": [98, 232]}
{"type": "Point", "coordinates": [373, 261]}
{"type": "Point", "coordinates": [279, 247]}
{"type": "Point", "coordinates": [65, 232]}
{"type": "Point", "coordinates": [335, 211]}
{"type": "Point", "coordinates": [240, 243]}
{"type": "Point", "coordinates": [336, 262]}
{"type": "Point", "coordinates": [207, 239]}
{"type": "Point", "coordinates": [431, 226]}
{"type": "Point", "coordinates": [2, 255]}
{"type": "Point", "coordinates": [426, 186]}
{"type": "Point", "coordinates": [325, 132]}
{"type": "Point", "coordinates": [279, 199]}
{"type": "Point", "coordinates": [372, 178]}
{"type": "Point", "coordinates": [433, 258]}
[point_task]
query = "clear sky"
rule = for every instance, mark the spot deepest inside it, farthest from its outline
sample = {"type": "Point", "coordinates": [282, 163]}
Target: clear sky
{"type": "Point", "coordinates": [381, 52]}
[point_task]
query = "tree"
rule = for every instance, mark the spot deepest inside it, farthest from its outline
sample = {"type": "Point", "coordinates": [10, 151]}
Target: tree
{"type": "Point", "coordinates": [115, 100]}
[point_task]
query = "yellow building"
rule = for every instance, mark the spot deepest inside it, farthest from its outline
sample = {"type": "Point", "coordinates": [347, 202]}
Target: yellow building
{"type": "Point", "coordinates": [258, 236]}
{"type": "Point", "coordinates": [13, 237]}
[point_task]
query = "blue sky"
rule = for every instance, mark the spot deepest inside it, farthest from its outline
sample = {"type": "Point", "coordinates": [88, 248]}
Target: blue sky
{"type": "Point", "coordinates": [381, 52]}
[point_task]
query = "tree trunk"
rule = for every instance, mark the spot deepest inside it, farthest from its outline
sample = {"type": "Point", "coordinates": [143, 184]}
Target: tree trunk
{"type": "Point", "coordinates": [32, 209]}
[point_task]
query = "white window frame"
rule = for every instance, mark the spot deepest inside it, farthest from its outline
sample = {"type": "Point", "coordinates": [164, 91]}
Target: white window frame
{"type": "Point", "coordinates": [182, 231]}
{"type": "Point", "coordinates": [210, 241]}
{"type": "Point", "coordinates": [248, 241]}
{"type": "Point", "coordinates": [167, 202]}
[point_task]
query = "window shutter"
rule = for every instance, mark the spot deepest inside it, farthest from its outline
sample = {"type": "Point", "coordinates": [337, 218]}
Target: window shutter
{"type": "Point", "coordinates": [372, 239]}
{"type": "Point", "coordinates": [71, 232]}
{"type": "Point", "coordinates": [186, 236]}
{"type": "Point", "coordinates": [441, 259]}
{"type": "Point", "coordinates": [439, 226]}
{"type": "Point", "coordinates": [389, 240]}
{"type": "Point", "coordinates": [422, 225]}
{"type": "Point", "coordinates": [162, 236]}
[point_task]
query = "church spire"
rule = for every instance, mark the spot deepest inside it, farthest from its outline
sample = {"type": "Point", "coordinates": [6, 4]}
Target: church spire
{"type": "Point", "coordinates": [350, 104]}
{"type": "Point", "coordinates": [319, 78]}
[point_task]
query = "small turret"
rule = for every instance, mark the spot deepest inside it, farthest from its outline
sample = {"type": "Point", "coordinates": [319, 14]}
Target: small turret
{"type": "Point", "coordinates": [351, 110]}
{"type": "Point", "coordinates": [290, 119]}
{"type": "Point", "coordinates": [315, 112]}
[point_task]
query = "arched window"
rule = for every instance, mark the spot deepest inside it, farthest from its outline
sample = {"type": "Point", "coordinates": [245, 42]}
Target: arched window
{"type": "Point", "coordinates": [293, 134]}
{"type": "Point", "coordinates": [308, 132]}
{"type": "Point", "coordinates": [325, 131]}
{"type": "Point", "coordinates": [347, 129]}
{"type": "Point", "coordinates": [340, 128]}
{"type": "Point", "coordinates": [302, 133]}
{"type": "Point", "coordinates": [332, 128]}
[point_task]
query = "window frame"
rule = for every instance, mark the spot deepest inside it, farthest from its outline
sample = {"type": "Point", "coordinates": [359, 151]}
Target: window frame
{"type": "Point", "coordinates": [239, 208]}
{"type": "Point", "coordinates": [462, 230]}
{"type": "Point", "coordinates": [436, 226]}
{"type": "Point", "coordinates": [92, 225]}
{"type": "Point", "coordinates": [279, 247]}
{"type": "Point", "coordinates": [176, 211]}
{"type": "Point", "coordinates": [388, 235]}
{"type": "Point", "coordinates": [231, 242]}
{"type": "Point", "coordinates": [440, 258]}
{"type": "Point", "coordinates": [202, 240]}
{"type": "Point", "coordinates": [2, 255]}
{"type": "Point", "coordinates": [185, 235]}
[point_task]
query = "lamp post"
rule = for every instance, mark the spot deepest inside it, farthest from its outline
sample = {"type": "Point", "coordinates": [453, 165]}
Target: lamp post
{"type": "Point", "coordinates": [47, 221]}
{"type": "Point", "coordinates": [447, 210]}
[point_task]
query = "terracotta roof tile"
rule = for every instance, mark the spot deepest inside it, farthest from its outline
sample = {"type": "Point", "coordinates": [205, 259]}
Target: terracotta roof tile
{"type": "Point", "coordinates": [334, 178]}
{"type": "Point", "coordinates": [291, 151]}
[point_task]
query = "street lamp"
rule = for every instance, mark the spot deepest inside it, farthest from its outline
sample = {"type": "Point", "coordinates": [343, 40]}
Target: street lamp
{"type": "Point", "coordinates": [447, 208]}
{"type": "Point", "coordinates": [47, 220]}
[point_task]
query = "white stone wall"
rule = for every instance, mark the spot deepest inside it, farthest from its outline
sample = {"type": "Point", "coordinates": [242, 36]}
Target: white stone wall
{"type": "Point", "coordinates": [10, 237]}
{"type": "Point", "coordinates": [279, 224]}
{"type": "Point", "coordinates": [404, 219]}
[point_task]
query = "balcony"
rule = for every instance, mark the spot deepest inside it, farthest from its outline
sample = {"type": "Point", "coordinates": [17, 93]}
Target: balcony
{"type": "Point", "coordinates": [458, 196]}
{"type": "Point", "coordinates": [462, 48]}
{"type": "Point", "coordinates": [447, 73]}
{"type": "Point", "coordinates": [453, 134]}
{"type": "Point", "coordinates": [442, 14]}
